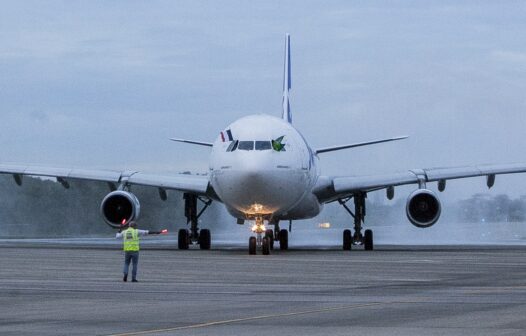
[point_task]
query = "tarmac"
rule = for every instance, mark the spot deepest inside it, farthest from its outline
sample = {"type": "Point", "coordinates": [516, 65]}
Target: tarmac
{"type": "Point", "coordinates": [75, 287]}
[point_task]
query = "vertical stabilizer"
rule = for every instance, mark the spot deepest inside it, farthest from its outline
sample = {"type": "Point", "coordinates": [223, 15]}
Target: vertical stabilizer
{"type": "Point", "coordinates": [287, 82]}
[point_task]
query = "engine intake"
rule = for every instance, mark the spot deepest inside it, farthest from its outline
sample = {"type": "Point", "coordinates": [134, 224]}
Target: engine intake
{"type": "Point", "coordinates": [119, 207]}
{"type": "Point", "coordinates": [423, 208]}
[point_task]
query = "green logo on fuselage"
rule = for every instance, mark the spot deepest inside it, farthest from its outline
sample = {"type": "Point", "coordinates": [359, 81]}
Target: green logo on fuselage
{"type": "Point", "coordinates": [277, 145]}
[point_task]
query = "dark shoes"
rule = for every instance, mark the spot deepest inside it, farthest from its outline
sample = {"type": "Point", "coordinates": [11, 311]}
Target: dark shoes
{"type": "Point", "coordinates": [125, 278]}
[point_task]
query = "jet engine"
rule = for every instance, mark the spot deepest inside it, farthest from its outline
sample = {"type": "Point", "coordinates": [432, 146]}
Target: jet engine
{"type": "Point", "coordinates": [423, 208]}
{"type": "Point", "coordinates": [119, 207]}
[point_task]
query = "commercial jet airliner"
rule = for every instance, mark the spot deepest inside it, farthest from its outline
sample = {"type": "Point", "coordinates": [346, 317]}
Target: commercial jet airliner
{"type": "Point", "coordinates": [264, 171]}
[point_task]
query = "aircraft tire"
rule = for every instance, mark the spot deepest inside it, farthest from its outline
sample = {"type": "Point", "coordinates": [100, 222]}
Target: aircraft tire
{"type": "Point", "coordinates": [269, 233]}
{"type": "Point", "coordinates": [283, 240]}
{"type": "Point", "coordinates": [252, 242]}
{"type": "Point", "coordinates": [182, 239]}
{"type": "Point", "coordinates": [347, 240]}
{"type": "Point", "coordinates": [266, 246]}
{"type": "Point", "coordinates": [368, 240]}
{"type": "Point", "coordinates": [204, 239]}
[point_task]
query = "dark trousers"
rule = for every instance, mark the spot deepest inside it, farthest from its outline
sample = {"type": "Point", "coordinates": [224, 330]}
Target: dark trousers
{"type": "Point", "coordinates": [132, 256]}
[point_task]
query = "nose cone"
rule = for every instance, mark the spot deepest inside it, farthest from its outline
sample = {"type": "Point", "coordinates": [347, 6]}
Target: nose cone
{"type": "Point", "coordinates": [259, 193]}
{"type": "Point", "coordinates": [264, 180]}
{"type": "Point", "coordinates": [258, 189]}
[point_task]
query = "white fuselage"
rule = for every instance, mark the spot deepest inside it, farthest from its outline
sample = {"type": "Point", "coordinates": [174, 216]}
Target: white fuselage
{"type": "Point", "coordinates": [256, 177]}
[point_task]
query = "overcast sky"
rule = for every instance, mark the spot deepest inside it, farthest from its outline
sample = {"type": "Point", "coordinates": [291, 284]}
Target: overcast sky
{"type": "Point", "coordinates": [104, 84]}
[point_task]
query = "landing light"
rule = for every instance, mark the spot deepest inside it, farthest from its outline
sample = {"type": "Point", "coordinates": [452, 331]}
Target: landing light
{"type": "Point", "coordinates": [324, 225]}
{"type": "Point", "coordinates": [258, 228]}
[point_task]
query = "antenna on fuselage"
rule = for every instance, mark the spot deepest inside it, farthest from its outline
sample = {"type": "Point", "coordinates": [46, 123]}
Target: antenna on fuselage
{"type": "Point", "coordinates": [287, 81]}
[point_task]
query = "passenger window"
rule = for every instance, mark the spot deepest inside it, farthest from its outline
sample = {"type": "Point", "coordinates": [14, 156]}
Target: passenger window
{"type": "Point", "coordinates": [246, 145]}
{"type": "Point", "coordinates": [263, 145]}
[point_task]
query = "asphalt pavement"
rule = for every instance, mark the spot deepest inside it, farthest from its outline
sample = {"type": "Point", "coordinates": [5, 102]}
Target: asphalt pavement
{"type": "Point", "coordinates": [77, 289]}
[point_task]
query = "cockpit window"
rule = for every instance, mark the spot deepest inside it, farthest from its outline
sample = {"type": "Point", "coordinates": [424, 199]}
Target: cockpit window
{"type": "Point", "coordinates": [263, 145]}
{"type": "Point", "coordinates": [232, 147]}
{"type": "Point", "coordinates": [245, 145]}
{"type": "Point", "coordinates": [249, 145]}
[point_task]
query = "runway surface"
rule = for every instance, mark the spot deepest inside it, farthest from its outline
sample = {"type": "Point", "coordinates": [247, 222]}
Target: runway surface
{"type": "Point", "coordinates": [77, 289]}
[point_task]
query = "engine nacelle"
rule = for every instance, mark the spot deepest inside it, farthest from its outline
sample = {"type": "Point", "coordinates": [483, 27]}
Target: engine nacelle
{"type": "Point", "coordinates": [423, 208]}
{"type": "Point", "coordinates": [119, 207]}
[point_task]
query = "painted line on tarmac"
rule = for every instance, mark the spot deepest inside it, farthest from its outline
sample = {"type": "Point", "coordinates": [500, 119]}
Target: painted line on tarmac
{"type": "Point", "coordinates": [253, 318]}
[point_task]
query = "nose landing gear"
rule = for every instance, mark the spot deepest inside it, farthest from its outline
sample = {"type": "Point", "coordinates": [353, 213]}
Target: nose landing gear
{"type": "Point", "coordinates": [264, 238]}
{"type": "Point", "coordinates": [358, 238]}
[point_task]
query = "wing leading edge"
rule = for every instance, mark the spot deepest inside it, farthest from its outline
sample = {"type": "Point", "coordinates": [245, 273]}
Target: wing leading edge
{"type": "Point", "coordinates": [188, 183]}
{"type": "Point", "coordinates": [331, 188]}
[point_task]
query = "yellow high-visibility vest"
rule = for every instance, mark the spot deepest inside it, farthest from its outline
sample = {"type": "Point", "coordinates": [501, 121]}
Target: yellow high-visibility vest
{"type": "Point", "coordinates": [131, 239]}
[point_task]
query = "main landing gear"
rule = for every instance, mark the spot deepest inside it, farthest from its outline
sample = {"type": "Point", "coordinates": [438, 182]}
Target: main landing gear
{"type": "Point", "coordinates": [359, 217]}
{"type": "Point", "coordinates": [265, 238]}
{"type": "Point", "coordinates": [194, 235]}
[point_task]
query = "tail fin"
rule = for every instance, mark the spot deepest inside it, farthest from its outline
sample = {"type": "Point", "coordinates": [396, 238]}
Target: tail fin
{"type": "Point", "coordinates": [287, 82]}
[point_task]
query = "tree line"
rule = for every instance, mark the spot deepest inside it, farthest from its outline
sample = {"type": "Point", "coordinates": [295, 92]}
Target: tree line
{"type": "Point", "coordinates": [44, 208]}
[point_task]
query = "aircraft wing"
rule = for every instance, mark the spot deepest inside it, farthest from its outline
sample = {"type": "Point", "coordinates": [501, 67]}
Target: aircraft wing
{"type": "Point", "coordinates": [332, 188]}
{"type": "Point", "coordinates": [359, 144]}
{"type": "Point", "coordinates": [188, 183]}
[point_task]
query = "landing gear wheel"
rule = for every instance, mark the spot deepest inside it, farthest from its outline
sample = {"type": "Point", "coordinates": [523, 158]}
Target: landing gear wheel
{"type": "Point", "coordinates": [204, 239]}
{"type": "Point", "coordinates": [347, 240]}
{"type": "Point", "coordinates": [283, 240]}
{"type": "Point", "coordinates": [368, 240]}
{"type": "Point", "coordinates": [266, 246]}
{"type": "Point", "coordinates": [183, 239]}
{"type": "Point", "coordinates": [270, 235]}
{"type": "Point", "coordinates": [252, 242]}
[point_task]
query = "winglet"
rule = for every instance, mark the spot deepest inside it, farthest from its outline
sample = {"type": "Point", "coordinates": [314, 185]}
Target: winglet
{"type": "Point", "coordinates": [287, 81]}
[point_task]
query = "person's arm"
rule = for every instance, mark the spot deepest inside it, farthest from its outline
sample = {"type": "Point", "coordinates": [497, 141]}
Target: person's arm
{"type": "Point", "coordinates": [118, 235]}
{"type": "Point", "coordinates": [164, 231]}
{"type": "Point", "coordinates": [144, 232]}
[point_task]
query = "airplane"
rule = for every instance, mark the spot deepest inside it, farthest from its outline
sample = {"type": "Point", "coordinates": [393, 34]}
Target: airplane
{"type": "Point", "coordinates": [263, 170]}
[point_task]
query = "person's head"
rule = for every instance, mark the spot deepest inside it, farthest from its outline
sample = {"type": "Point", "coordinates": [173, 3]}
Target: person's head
{"type": "Point", "coordinates": [133, 224]}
